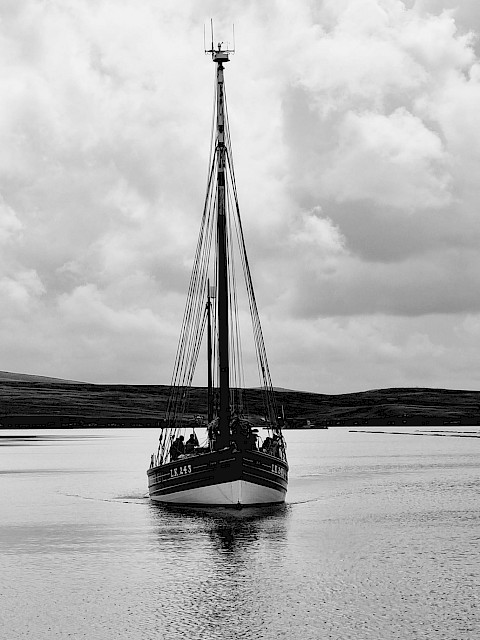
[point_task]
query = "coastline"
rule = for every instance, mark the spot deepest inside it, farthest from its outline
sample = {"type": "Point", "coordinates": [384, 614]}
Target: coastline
{"type": "Point", "coordinates": [37, 403]}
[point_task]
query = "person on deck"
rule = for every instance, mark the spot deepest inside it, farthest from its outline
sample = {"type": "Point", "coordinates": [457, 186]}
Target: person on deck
{"type": "Point", "coordinates": [267, 443]}
{"type": "Point", "coordinates": [177, 448]}
{"type": "Point", "coordinates": [191, 443]}
{"type": "Point", "coordinates": [275, 446]}
{"type": "Point", "coordinates": [252, 439]}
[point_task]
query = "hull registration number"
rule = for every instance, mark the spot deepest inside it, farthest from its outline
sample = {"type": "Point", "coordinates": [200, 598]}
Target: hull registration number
{"type": "Point", "coordinates": [280, 471]}
{"type": "Point", "coordinates": [180, 471]}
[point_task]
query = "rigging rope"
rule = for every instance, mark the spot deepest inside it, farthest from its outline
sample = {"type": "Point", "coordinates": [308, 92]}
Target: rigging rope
{"type": "Point", "coordinates": [195, 318]}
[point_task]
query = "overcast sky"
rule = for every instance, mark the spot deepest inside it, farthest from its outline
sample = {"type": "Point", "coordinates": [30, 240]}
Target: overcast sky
{"type": "Point", "coordinates": [356, 135]}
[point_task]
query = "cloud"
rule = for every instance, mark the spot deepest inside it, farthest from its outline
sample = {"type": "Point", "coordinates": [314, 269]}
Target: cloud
{"type": "Point", "coordinates": [394, 160]}
{"type": "Point", "coordinates": [21, 292]}
{"type": "Point", "coordinates": [355, 126]}
{"type": "Point", "coordinates": [10, 225]}
{"type": "Point", "coordinates": [377, 134]}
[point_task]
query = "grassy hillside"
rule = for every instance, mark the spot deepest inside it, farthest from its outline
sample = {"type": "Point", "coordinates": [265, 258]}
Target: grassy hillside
{"type": "Point", "coordinates": [28, 400]}
{"type": "Point", "coordinates": [8, 376]}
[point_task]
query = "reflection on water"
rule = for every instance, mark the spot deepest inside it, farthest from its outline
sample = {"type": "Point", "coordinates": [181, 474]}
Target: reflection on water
{"type": "Point", "coordinates": [235, 534]}
{"type": "Point", "coordinates": [379, 540]}
{"type": "Point", "coordinates": [229, 530]}
{"type": "Point", "coordinates": [223, 557]}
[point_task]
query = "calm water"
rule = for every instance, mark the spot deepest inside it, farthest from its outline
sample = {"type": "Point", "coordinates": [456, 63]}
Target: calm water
{"type": "Point", "coordinates": [380, 539]}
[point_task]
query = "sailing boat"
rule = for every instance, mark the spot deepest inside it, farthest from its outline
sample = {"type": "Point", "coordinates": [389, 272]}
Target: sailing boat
{"type": "Point", "coordinates": [232, 466]}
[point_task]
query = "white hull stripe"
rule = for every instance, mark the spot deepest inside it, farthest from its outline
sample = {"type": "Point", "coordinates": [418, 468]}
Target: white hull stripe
{"type": "Point", "coordinates": [224, 494]}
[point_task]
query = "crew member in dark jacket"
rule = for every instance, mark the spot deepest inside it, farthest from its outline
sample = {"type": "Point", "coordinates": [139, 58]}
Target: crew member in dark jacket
{"type": "Point", "coordinates": [191, 443]}
{"type": "Point", "coordinates": [177, 448]}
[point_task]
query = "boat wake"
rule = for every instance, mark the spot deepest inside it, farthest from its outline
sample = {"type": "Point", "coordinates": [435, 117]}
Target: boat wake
{"type": "Point", "coordinates": [304, 501]}
{"type": "Point", "coordinates": [134, 499]}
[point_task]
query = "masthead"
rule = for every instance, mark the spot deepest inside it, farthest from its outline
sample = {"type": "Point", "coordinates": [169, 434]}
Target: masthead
{"type": "Point", "coordinates": [222, 52]}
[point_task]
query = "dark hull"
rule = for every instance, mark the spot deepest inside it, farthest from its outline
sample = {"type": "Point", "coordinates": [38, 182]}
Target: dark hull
{"type": "Point", "coordinates": [220, 478]}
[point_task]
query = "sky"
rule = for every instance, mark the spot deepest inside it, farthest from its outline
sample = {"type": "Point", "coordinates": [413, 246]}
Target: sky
{"type": "Point", "coordinates": [355, 127]}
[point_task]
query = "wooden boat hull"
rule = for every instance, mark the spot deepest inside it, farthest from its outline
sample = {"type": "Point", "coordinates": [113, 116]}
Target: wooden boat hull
{"type": "Point", "coordinates": [220, 478]}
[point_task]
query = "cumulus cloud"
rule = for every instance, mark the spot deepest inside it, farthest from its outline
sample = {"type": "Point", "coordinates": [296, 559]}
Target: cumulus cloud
{"type": "Point", "coordinates": [394, 160]}
{"type": "Point", "coordinates": [379, 142]}
{"type": "Point", "coordinates": [20, 292]}
{"type": "Point", "coordinates": [10, 225]}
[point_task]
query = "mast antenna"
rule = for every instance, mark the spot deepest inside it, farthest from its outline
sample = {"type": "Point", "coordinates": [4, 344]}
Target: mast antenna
{"type": "Point", "coordinates": [220, 47]}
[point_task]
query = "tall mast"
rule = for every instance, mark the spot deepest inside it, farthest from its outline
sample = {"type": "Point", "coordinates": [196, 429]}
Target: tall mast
{"type": "Point", "coordinates": [223, 439]}
{"type": "Point", "coordinates": [209, 356]}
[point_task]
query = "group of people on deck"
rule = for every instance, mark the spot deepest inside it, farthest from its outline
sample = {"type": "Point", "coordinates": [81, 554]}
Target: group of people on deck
{"type": "Point", "coordinates": [243, 437]}
{"type": "Point", "coordinates": [180, 447]}
{"type": "Point", "coordinates": [271, 446]}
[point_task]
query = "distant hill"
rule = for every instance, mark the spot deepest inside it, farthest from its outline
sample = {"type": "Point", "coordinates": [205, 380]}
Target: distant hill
{"type": "Point", "coordinates": [282, 389]}
{"type": "Point", "coordinates": [43, 399]}
{"type": "Point", "coordinates": [25, 377]}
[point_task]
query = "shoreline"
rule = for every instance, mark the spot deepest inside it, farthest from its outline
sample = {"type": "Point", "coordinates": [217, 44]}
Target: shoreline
{"type": "Point", "coordinates": [47, 404]}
